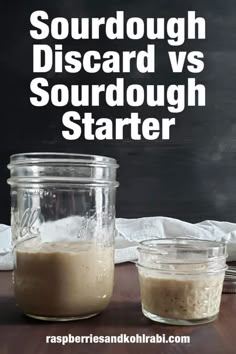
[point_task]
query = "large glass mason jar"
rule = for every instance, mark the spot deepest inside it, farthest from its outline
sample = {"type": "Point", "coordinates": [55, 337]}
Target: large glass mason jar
{"type": "Point", "coordinates": [63, 224]}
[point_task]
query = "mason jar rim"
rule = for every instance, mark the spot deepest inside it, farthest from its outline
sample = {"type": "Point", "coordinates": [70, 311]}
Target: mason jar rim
{"type": "Point", "coordinates": [167, 248]}
{"type": "Point", "coordinates": [190, 272]}
{"type": "Point", "coordinates": [60, 158]}
{"type": "Point", "coordinates": [165, 253]}
{"type": "Point", "coordinates": [181, 242]}
{"type": "Point", "coordinates": [58, 168]}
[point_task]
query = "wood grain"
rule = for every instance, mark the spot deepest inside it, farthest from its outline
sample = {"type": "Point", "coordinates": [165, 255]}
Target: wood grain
{"type": "Point", "coordinates": [19, 334]}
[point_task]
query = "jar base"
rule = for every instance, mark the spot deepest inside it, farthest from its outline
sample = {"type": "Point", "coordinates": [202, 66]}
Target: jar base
{"type": "Point", "coordinates": [61, 319]}
{"type": "Point", "coordinates": [177, 322]}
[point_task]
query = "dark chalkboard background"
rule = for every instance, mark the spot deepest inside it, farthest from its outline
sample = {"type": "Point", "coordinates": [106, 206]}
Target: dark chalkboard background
{"type": "Point", "coordinates": [192, 176]}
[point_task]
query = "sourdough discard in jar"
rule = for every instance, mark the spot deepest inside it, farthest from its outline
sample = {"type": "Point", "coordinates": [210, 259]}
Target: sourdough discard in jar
{"type": "Point", "coordinates": [63, 224]}
{"type": "Point", "coordinates": [181, 280]}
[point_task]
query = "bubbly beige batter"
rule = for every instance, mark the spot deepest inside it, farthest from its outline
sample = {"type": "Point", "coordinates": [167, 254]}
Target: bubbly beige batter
{"type": "Point", "coordinates": [182, 298]}
{"type": "Point", "coordinates": [63, 279]}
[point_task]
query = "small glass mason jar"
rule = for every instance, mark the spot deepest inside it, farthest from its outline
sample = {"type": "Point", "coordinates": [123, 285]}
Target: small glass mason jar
{"type": "Point", "coordinates": [63, 224]}
{"type": "Point", "coordinates": [181, 279]}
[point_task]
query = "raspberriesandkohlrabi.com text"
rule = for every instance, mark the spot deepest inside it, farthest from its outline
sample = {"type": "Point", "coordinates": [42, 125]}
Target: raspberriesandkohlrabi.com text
{"type": "Point", "coordinates": [118, 339]}
{"type": "Point", "coordinates": [118, 93]}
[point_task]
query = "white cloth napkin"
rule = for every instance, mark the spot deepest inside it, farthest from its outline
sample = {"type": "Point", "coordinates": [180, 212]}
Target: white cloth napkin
{"type": "Point", "coordinates": [130, 232]}
{"type": "Point", "coordinates": [6, 259]}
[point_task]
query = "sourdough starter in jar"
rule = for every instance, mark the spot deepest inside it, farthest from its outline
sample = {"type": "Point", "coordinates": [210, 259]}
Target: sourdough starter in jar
{"type": "Point", "coordinates": [181, 298]}
{"type": "Point", "coordinates": [63, 279]}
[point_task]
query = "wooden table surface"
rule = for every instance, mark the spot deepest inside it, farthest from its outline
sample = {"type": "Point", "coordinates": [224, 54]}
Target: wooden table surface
{"type": "Point", "coordinates": [21, 335]}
